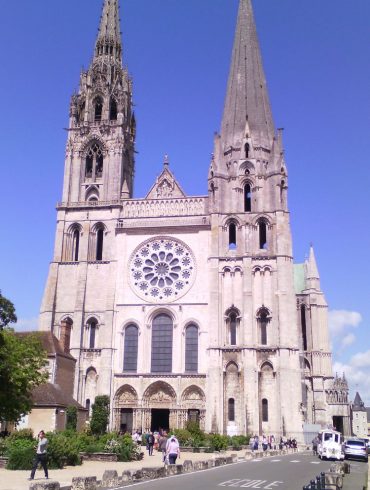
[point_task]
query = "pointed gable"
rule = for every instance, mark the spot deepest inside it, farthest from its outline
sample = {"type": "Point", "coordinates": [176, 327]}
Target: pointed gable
{"type": "Point", "coordinates": [166, 186]}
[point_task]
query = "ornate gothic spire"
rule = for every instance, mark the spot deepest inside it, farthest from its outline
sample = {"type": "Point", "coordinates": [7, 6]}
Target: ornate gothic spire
{"type": "Point", "coordinates": [108, 42]}
{"type": "Point", "coordinates": [247, 97]}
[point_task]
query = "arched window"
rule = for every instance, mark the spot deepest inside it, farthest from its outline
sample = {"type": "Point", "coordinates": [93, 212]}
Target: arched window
{"type": "Point", "coordinates": [99, 243]}
{"type": "Point", "coordinates": [92, 328]}
{"type": "Point", "coordinates": [232, 329]}
{"type": "Point", "coordinates": [262, 230]}
{"type": "Point", "coordinates": [232, 236]}
{"type": "Point", "coordinates": [191, 349]}
{"type": "Point", "coordinates": [265, 410]}
{"type": "Point", "coordinates": [98, 109]}
{"type": "Point", "coordinates": [94, 162]}
{"type": "Point", "coordinates": [75, 245]}
{"type": "Point", "coordinates": [246, 150]}
{"type": "Point", "coordinates": [130, 349]}
{"type": "Point", "coordinates": [304, 327]}
{"type": "Point", "coordinates": [162, 336]}
{"type": "Point", "coordinates": [113, 110]}
{"type": "Point", "coordinates": [231, 410]}
{"type": "Point", "coordinates": [87, 406]}
{"type": "Point", "coordinates": [247, 198]}
{"type": "Point", "coordinates": [263, 320]}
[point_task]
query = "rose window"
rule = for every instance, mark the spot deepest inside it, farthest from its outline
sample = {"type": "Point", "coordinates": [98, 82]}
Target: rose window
{"type": "Point", "coordinates": [162, 269]}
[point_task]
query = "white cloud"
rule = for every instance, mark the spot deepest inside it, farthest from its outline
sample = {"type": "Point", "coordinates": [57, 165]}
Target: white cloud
{"type": "Point", "coordinates": [342, 320]}
{"type": "Point", "coordinates": [361, 360]}
{"type": "Point", "coordinates": [26, 324]}
{"type": "Point", "coordinates": [349, 339]}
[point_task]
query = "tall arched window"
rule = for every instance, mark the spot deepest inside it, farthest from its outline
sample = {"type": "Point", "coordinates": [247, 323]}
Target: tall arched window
{"type": "Point", "coordinates": [130, 349]}
{"type": "Point", "coordinates": [247, 198]}
{"type": "Point", "coordinates": [232, 329]}
{"type": "Point", "coordinates": [98, 108]}
{"type": "Point", "coordinates": [231, 410]}
{"type": "Point", "coordinates": [92, 328]}
{"type": "Point", "coordinates": [94, 162]}
{"type": "Point", "coordinates": [99, 243]}
{"type": "Point", "coordinates": [75, 245]}
{"type": "Point", "coordinates": [232, 236]}
{"type": "Point", "coordinates": [304, 327]}
{"type": "Point", "coordinates": [246, 150]}
{"type": "Point", "coordinates": [162, 336]}
{"type": "Point", "coordinates": [265, 410]}
{"type": "Point", "coordinates": [262, 231]}
{"type": "Point", "coordinates": [263, 320]}
{"type": "Point", "coordinates": [191, 349]}
{"type": "Point", "coordinates": [113, 110]}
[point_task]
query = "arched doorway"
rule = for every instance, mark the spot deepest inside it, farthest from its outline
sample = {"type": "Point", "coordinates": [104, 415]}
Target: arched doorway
{"type": "Point", "coordinates": [125, 415]}
{"type": "Point", "coordinates": [193, 405]}
{"type": "Point", "coordinates": [160, 400]}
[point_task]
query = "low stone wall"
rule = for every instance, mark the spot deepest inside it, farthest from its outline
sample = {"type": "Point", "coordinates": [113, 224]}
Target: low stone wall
{"type": "Point", "coordinates": [111, 478]}
{"type": "Point", "coordinates": [3, 462]}
{"type": "Point", "coordinates": [99, 457]}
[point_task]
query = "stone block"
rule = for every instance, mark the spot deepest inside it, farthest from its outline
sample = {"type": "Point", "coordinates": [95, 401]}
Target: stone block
{"type": "Point", "coordinates": [49, 485]}
{"type": "Point", "coordinates": [229, 460]}
{"type": "Point", "coordinates": [84, 483]}
{"type": "Point", "coordinates": [153, 473]}
{"type": "Point", "coordinates": [187, 466]}
{"type": "Point", "coordinates": [137, 475]}
{"type": "Point", "coordinates": [110, 478]}
{"type": "Point", "coordinates": [197, 466]}
{"type": "Point", "coordinates": [211, 463]}
{"type": "Point", "coordinates": [234, 458]}
{"type": "Point", "coordinates": [126, 476]}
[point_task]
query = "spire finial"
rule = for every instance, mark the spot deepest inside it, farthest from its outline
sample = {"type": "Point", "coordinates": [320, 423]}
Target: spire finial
{"type": "Point", "coordinates": [108, 42]}
{"type": "Point", "coordinates": [166, 160]}
{"type": "Point", "coordinates": [247, 96]}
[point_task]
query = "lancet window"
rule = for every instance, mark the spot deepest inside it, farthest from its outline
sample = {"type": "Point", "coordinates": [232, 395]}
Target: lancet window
{"type": "Point", "coordinates": [265, 410]}
{"type": "Point", "coordinates": [113, 109]}
{"type": "Point", "coordinates": [231, 410]}
{"type": "Point", "coordinates": [162, 339]}
{"type": "Point", "coordinates": [263, 320]}
{"type": "Point", "coordinates": [94, 162]}
{"type": "Point", "coordinates": [98, 109]}
{"type": "Point", "coordinates": [130, 349]}
{"type": "Point", "coordinates": [232, 236]}
{"type": "Point", "coordinates": [262, 234]}
{"type": "Point", "coordinates": [92, 326]}
{"type": "Point", "coordinates": [191, 349]}
{"type": "Point", "coordinates": [247, 198]}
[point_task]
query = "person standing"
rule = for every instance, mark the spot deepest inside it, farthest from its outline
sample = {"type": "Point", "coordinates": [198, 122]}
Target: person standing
{"type": "Point", "coordinates": [173, 450]}
{"type": "Point", "coordinates": [41, 456]}
{"type": "Point", "coordinates": [150, 443]}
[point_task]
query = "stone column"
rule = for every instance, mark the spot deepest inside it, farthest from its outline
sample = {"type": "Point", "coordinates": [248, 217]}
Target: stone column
{"type": "Point", "coordinates": [173, 419]}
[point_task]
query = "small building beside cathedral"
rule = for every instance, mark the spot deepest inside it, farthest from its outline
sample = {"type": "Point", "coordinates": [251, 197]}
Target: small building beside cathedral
{"type": "Point", "coordinates": [179, 307]}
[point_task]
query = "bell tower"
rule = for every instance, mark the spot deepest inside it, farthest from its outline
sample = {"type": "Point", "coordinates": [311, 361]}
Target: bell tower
{"type": "Point", "coordinates": [100, 148]}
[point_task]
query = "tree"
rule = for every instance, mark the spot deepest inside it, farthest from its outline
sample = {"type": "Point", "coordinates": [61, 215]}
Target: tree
{"type": "Point", "coordinates": [22, 363]}
{"type": "Point", "coordinates": [7, 312]}
{"type": "Point", "coordinates": [100, 415]}
{"type": "Point", "coordinates": [71, 417]}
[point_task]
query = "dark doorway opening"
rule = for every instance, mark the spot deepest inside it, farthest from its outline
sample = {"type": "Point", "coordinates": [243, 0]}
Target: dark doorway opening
{"type": "Point", "coordinates": [126, 420]}
{"type": "Point", "coordinates": [160, 419]}
{"type": "Point", "coordinates": [338, 423]}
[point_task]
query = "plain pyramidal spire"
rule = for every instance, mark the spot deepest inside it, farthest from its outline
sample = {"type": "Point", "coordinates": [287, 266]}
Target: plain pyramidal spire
{"type": "Point", "coordinates": [247, 97]}
{"type": "Point", "coordinates": [109, 42]}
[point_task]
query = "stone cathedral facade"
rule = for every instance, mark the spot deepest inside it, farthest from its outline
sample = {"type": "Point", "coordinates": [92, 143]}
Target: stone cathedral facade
{"type": "Point", "coordinates": [187, 307]}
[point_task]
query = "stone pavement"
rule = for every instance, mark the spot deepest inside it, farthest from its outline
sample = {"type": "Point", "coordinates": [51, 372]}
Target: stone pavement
{"type": "Point", "coordinates": [17, 480]}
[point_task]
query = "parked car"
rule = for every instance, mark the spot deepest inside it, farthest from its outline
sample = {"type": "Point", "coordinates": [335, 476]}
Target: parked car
{"type": "Point", "coordinates": [330, 445]}
{"type": "Point", "coordinates": [367, 442]}
{"type": "Point", "coordinates": [355, 448]}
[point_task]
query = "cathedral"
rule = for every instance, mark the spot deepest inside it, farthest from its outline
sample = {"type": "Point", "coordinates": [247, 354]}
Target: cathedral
{"type": "Point", "coordinates": [187, 308]}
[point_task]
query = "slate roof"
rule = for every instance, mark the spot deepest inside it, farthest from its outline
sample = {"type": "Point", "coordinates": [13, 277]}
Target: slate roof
{"type": "Point", "coordinates": [50, 395]}
{"type": "Point", "coordinates": [358, 404]}
{"type": "Point", "coordinates": [49, 342]}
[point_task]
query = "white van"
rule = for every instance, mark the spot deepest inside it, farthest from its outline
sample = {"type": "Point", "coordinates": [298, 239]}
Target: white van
{"type": "Point", "coordinates": [330, 445]}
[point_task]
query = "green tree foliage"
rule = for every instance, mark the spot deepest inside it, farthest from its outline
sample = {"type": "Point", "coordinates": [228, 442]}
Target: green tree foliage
{"type": "Point", "coordinates": [100, 415]}
{"type": "Point", "coordinates": [71, 418]}
{"type": "Point", "coordinates": [22, 360]}
{"type": "Point", "coordinates": [7, 312]}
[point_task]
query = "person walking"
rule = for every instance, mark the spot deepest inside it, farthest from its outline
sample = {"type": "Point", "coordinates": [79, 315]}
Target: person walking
{"type": "Point", "coordinates": [41, 456]}
{"type": "Point", "coordinates": [173, 450]}
{"type": "Point", "coordinates": [162, 445]}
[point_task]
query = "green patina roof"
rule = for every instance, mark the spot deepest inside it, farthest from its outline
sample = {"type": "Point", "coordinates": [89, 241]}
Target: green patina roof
{"type": "Point", "coordinates": [299, 278]}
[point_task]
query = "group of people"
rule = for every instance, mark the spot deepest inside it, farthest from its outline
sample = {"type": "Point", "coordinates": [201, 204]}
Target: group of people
{"type": "Point", "coordinates": [160, 441]}
{"type": "Point", "coordinates": [269, 442]}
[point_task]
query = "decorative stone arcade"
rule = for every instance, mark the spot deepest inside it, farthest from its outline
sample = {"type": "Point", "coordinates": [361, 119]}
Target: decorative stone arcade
{"type": "Point", "coordinates": [158, 408]}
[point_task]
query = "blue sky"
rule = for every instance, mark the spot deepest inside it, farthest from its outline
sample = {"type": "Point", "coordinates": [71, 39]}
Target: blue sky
{"type": "Point", "coordinates": [317, 66]}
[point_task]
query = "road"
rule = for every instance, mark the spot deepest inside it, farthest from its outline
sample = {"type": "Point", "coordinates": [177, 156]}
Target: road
{"type": "Point", "coordinates": [290, 472]}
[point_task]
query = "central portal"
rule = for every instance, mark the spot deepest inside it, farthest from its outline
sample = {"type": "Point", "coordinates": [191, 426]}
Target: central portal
{"type": "Point", "coordinates": [160, 420]}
